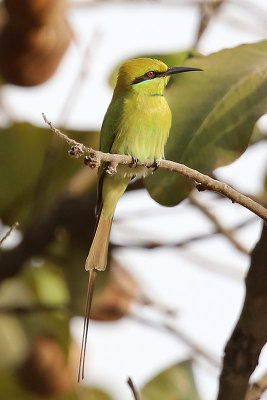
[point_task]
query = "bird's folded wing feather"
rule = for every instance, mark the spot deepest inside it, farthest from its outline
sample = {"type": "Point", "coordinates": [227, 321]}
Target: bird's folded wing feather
{"type": "Point", "coordinates": [108, 133]}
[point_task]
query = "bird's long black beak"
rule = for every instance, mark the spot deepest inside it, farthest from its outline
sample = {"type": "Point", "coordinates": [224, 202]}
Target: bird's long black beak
{"type": "Point", "coordinates": [178, 70]}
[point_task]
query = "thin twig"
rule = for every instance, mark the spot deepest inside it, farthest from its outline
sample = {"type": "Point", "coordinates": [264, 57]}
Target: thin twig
{"type": "Point", "coordinates": [131, 385]}
{"type": "Point", "coordinates": [178, 335]}
{"type": "Point", "coordinates": [78, 83]}
{"type": "Point", "coordinates": [13, 227]}
{"type": "Point", "coordinates": [214, 266]}
{"type": "Point", "coordinates": [206, 182]}
{"type": "Point", "coordinates": [151, 244]}
{"type": "Point", "coordinates": [207, 11]}
{"type": "Point", "coordinates": [247, 6]}
{"type": "Point", "coordinates": [228, 233]}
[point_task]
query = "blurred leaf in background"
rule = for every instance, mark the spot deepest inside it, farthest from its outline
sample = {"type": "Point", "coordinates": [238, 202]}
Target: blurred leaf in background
{"type": "Point", "coordinates": [29, 157]}
{"type": "Point", "coordinates": [214, 114]}
{"type": "Point", "coordinates": [176, 382]}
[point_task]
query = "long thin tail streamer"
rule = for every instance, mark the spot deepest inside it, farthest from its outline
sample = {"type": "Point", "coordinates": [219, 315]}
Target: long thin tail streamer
{"type": "Point", "coordinates": [90, 290]}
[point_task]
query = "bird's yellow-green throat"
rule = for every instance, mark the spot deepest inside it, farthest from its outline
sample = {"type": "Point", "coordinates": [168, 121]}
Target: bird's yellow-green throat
{"type": "Point", "coordinates": [137, 123]}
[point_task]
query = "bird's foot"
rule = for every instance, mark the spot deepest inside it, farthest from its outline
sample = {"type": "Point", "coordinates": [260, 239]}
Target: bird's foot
{"type": "Point", "coordinates": [134, 162]}
{"type": "Point", "coordinates": [155, 165]}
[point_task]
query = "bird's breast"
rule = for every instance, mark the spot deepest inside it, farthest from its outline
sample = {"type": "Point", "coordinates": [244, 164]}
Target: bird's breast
{"type": "Point", "coordinates": [144, 127]}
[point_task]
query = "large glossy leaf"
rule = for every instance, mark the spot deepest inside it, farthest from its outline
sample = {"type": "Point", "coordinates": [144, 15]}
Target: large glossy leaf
{"type": "Point", "coordinates": [34, 169]}
{"type": "Point", "coordinates": [175, 383]}
{"type": "Point", "coordinates": [214, 114]}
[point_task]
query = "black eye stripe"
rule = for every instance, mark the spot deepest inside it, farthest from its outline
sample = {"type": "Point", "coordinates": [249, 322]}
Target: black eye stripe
{"type": "Point", "coordinates": [146, 77]}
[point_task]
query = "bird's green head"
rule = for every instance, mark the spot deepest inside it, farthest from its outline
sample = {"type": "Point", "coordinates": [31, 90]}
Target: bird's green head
{"type": "Point", "coordinates": [146, 76]}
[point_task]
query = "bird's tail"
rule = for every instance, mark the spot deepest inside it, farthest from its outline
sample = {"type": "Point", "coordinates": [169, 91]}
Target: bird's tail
{"type": "Point", "coordinates": [96, 261]}
{"type": "Point", "coordinates": [90, 290]}
{"type": "Point", "coordinates": [97, 257]}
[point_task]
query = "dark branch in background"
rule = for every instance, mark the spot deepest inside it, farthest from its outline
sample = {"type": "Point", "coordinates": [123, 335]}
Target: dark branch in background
{"type": "Point", "coordinates": [179, 335]}
{"type": "Point", "coordinates": [226, 232]}
{"type": "Point", "coordinates": [67, 212]}
{"type": "Point", "coordinates": [131, 385]}
{"type": "Point", "coordinates": [207, 11]}
{"type": "Point", "coordinates": [113, 160]}
{"type": "Point", "coordinates": [250, 334]}
{"type": "Point", "coordinates": [184, 242]}
{"type": "Point", "coordinates": [77, 85]}
{"type": "Point", "coordinates": [75, 214]}
{"type": "Point", "coordinates": [13, 227]}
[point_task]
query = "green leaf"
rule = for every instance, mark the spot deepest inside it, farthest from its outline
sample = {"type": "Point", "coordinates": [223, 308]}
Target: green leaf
{"type": "Point", "coordinates": [90, 393]}
{"type": "Point", "coordinates": [175, 383]}
{"type": "Point", "coordinates": [22, 150]}
{"type": "Point", "coordinates": [214, 114]}
{"type": "Point", "coordinates": [13, 340]}
{"type": "Point", "coordinates": [48, 286]}
{"type": "Point", "coordinates": [258, 135]}
{"type": "Point", "coordinates": [35, 169]}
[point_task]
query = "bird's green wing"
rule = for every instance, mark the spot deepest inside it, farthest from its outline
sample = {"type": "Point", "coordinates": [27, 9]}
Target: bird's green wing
{"type": "Point", "coordinates": [108, 133]}
{"type": "Point", "coordinates": [111, 123]}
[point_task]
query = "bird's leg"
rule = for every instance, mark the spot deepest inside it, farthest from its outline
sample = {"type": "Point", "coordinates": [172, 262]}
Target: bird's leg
{"type": "Point", "coordinates": [155, 165]}
{"type": "Point", "coordinates": [134, 162]}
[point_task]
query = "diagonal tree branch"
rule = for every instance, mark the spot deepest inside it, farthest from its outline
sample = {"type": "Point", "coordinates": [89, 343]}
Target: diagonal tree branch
{"type": "Point", "coordinates": [250, 334]}
{"type": "Point", "coordinates": [13, 227]}
{"type": "Point", "coordinates": [228, 233]}
{"type": "Point", "coordinates": [113, 160]}
{"type": "Point", "coordinates": [132, 387]}
{"type": "Point", "coordinates": [179, 335]}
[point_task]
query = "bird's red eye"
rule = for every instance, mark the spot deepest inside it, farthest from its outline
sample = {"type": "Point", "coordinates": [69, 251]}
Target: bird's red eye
{"type": "Point", "coordinates": [151, 74]}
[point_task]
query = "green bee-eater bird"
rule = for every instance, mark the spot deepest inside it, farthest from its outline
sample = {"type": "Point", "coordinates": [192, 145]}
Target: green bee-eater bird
{"type": "Point", "coordinates": [137, 123]}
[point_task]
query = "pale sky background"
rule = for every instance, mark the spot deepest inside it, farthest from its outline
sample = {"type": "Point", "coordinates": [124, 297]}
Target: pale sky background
{"type": "Point", "coordinates": [208, 302]}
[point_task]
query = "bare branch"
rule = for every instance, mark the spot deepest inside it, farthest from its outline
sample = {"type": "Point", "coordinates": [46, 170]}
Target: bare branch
{"type": "Point", "coordinates": [78, 83]}
{"type": "Point", "coordinates": [131, 385]}
{"type": "Point", "coordinates": [206, 182]}
{"type": "Point", "coordinates": [250, 334]}
{"type": "Point", "coordinates": [207, 11]}
{"type": "Point", "coordinates": [13, 227]}
{"type": "Point", "coordinates": [177, 334]}
{"type": "Point", "coordinates": [226, 232]}
{"type": "Point", "coordinates": [149, 244]}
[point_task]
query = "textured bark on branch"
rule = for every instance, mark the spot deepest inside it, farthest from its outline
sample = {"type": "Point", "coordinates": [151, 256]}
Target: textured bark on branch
{"type": "Point", "coordinates": [250, 334]}
{"type": "Point", "coordinates": [204, 182]}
